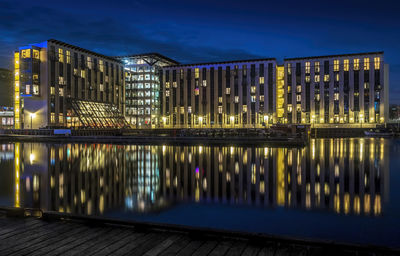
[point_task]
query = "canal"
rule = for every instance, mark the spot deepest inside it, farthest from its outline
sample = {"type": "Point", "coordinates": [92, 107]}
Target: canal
{"type": "Point", "coordinates": [342, 190]}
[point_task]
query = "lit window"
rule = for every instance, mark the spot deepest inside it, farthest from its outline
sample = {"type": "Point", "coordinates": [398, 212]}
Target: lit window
{"type": "Point", "coordinates": [83, 73]}
{"type": "Point", "coordinates": [336, 96]}
{"type": "Point", "coordinates": [182, 110]}
{"type": "Point", "coordinates": [298, 88]}
{"type": "Point", "coordinates": [196, 91]}
{"type": "Point", "coordinates": [174, 84]}
{"type": "Point", "coordinates": [377, 63]}
{"type": "Point", "coordinates": [61, 92]}
{"type": "Point", "coordinates": [220, 99]}
{"type": "Point", "coordinates": [289, 108]}
{"type": "Point", "coordinates": [356, 64]}
{"type": "Point", "coordinates": [228, 90]}
{"type": "Point", "coordinates": [261, 79]}
{"type": "Point", "coordinates": [35, 89]}
{"type": "Point", "coordinates": [335, 65]}
{"type": "Point", "coordinates": [68, 54]}
{"type": "Point", "coordinates": [326, 78]}
{"type": "Point", "coordinates": [189, 109]}
{"type": "Point", "coordinates": [101, 67]}
{"type": "Point", "coordinates": [26, 53]}
{"type": "Point", "coordinates": [236, 99]}
{"type": "Point", "coordinates": [346, 65]}
{"type": "Point", "coordinates": [366, 85]}
{"type": "Point", "coordinates": [289, 68]}
{"type": "Point", "coordinates": [167, 93]}
{"type": "Point", "coordinates": [204, 83]}
{"type": "Point", "coordinates": [337, 77]}
{"type": "Point", "coordinates": [196, 73]}
{"type": "Point", "coordinates": [366, 63]}
{"type": "Point", "coordinates": [253, 89]}
{"type": "Point", "coordinates": [60, 55]}
{"type": "Point", "coordinates": [298, 97]}
{"type": "Point", "coordinates": [36, 54]}
{"type": "Point", "coordinates": [219, 109]}
{"type": "Point", "coordinates": [316, 67]}
{"type": "Point", "coordinates": [244, 108]}
{"type": "Point", "coordinates": [316, 78]}
{"type": "Point", "coordinates": [52, 118]}
{"type": "Point", "coordinates": [253, 98]}
{"type": "Point", "coordinates": [317, 97]}
{"type": "Point", "coordinates": [28, 89]}
{"type": "Point", "coordinates": [308, 79]}
{"type": "Point", "coordinates": [166, 84]}
{"type": "Point", "coordinates": [307, 67]}
{"type": "Point", "coordinates": [52, 90]}
{"type": "Point", "coordinates": [262, 98]}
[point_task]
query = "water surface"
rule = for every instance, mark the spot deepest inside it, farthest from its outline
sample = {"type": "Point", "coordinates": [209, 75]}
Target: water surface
{"type": "Point", "coordinates": [345, 190]}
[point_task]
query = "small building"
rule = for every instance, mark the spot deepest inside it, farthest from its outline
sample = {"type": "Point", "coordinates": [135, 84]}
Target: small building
{"type": "Point", "coordinates": [6, 117]}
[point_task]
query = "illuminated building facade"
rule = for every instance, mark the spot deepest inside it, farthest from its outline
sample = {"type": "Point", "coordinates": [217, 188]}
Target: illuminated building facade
{"type": "Point", "coordinates": [61, 85]}
{"type": "Point", "coordinates": [142, 88]}
{"type": "Point", "coordinates": [348, 90]}
{"type": "Point", "coordinates": [222, 94]}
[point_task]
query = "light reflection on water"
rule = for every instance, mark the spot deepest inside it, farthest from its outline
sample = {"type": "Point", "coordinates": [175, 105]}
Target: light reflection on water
{"type": "Point", "coordinates": [332, 176]}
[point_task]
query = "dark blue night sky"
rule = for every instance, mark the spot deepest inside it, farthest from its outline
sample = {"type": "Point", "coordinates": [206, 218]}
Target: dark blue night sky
{"type": "Point", "coordinates": [198, 31]}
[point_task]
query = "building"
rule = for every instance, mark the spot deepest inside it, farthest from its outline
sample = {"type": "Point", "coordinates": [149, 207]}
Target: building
{"type": "Point", "coordinates": [395, 112]}
{"type": "Point", "coordinates": [347, 90]}
{"type": "Point", "coordinates": [61, 85]}
{"type": "Point", "coordinates": [142, 88]}
{"type": "Point", "coordinates": [6, 118]}
{"type": "Point", "coordinates": [221, 94]}
{"type": "Point", "coordinates": [6, 87]}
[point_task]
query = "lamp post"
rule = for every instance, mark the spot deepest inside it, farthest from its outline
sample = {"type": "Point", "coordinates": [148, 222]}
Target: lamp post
{"type": "Point", "coordinates": [32, 115]}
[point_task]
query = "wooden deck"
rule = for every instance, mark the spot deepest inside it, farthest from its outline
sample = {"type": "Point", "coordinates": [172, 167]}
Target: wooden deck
{"type": "Point", "coordinates": [33, 236]}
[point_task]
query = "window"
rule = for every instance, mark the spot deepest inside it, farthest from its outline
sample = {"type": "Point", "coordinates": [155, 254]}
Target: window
{"type": "Point", "coordinates": [68, 55]}
{"type": "Point", "coordinates": [337, 77]}
{"type": "Point", "coordinates": [174, 84]}
{"type": "Point", "coordinates": [346, 65]}
{"type": "Point", "coordinates": [228, 90]}
{"type": "Point", "coordinates": [308, 79]}
{"type": "Point", "coordinates": [261, 79]}
{"type": "Point", "coordinates": [196, 73]}
{"type": "Point", "coordinates": [52, 118]}
{"type": "Point", "coordinates": [262, 98]}
{"type": "Point", "coordinates": [289, 108]}
{"type": "Point", "coordinates": [377, 63]}
{"type": "Point", "coordinates": [307, 67]}
{"type": "Point", "coordinates": [366, 63]}
{"type": "Point", "coordinates": [316, 67]}
{"type": "Point", "coordinates": [298, 97]}
{"type": "Point", "coordinates": [236, 99]}
{"type": "Point", "coordinates": [167, 93]}
{"type": "Point", "coordinates": [244, 108]}
{"type": "Point", "coordinates": [35, 89]}
{"type": "Point", "coordinates": [335, 65]}
{"type": "Point", "coordinates": [182, 110]}
{"type": "Point", "coordinates": [356, 64]}
{"type": "Point", "coordinates": [166, 84]}
{"type": "Point", "coordinates": [289, 68]}
{"type": "Point", "coordinates": [317, 97]}
{"type": "Point", "coordinates": [253, 89]}
{"type": "Point", "coordinates": [189, 109]}
{"type": "Point", "coordinates": [28, 89]}
{"type": "Point", "coordinates": [316, 78]}
{"type": "Point", "coordinates": [36, 54]}
{"type": "Point", "coordinates": [204, 83]}
{"type": "Point", "coordinates": [336, 96]}
{"type": "Point", "coordinates": [61, 92]}
{"type": "Point", "coordinates": [326, 78]}
{"type": "Point", "coordinates": [52, 90]}
{"type": "Point", "coordinates": [101, 66]}
{"type": "Point", "coordinates": [26, 53]}
{"type": "Point", "coordinates": [101, 87]}
{"type": "Point", "coordinates": [220, 99]}
{"type": "Point", "coordinates": [83, 73]}
{"type": "Point", "coordinates": [298, 88]}
{"type": "Point", "coordinates": [219, 109]}
{"type": "Point", "coordinates": [253, 98]}
{"type": "Point", "coordinates": [60, 55]}
{"type": "Point", "coordinates": [196, 91]}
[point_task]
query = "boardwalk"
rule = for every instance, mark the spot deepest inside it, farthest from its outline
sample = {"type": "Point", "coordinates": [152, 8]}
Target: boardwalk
{"type": "Point", "coordinates": [32, 236]}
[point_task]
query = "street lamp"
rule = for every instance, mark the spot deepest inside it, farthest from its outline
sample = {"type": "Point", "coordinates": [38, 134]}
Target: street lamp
{"type": "Point", "coordinates": [32, 115]}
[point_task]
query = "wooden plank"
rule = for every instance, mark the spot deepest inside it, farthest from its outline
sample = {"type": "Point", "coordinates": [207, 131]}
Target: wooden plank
{"type": "Point", "coordinates": [25, 237]}
{"type": "Point", "coordinates": [22, 229]}
{"type": "Point", "coordinates": [53, 234]}
{"type": "Point", "coordinates": [190, 248]}
{"type": "Point", "coordinates": [176, 246]}
{"type": "Point", "coordinates": [237, 248]}
{"type": "Point", "coordinates": [130, 245]}
{"type": "Point", "coordinates": [221, 248]}
{"type": "Point", "coordinates": [52, 241]}
{"type": "Point", "coordinates": [251, 251]}
{"type": "Point", "coordinates": [96, 245]}
{"type": "Point", "coordinates": [162, 246]}
{"type": "Point", "coordinates": [22, 224]}
{"type": "Point", "coordinates": [149, 244]}
{"type": "Point", "coordinates": [267, 251]}
{"type": "Point", "coordinates": [110, 250]}
{"type": "Point", "coordinates": [77, 240]}
{"type": "Point", "coordinates": [205, 248]}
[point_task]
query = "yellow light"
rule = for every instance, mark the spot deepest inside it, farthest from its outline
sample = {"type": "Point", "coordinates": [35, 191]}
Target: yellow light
{"type": "Point", "coordinates": [32, 158]}
{"type": "Point", "coordinates": [232, 118]}
{"type": "Point", "coordinates": [201, 119]}
{"type": "Point", "coordinates": [265, 118]}
{"type": "Point", "coordinates": [32, 115]}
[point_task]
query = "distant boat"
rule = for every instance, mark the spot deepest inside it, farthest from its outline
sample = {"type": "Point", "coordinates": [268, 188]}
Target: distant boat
{"type": "Point", "coordinates": [379, 133]}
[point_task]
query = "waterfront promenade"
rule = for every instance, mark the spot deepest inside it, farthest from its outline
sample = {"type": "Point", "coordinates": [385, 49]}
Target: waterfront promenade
{"type": "Point", "coordinates": [55, 235]}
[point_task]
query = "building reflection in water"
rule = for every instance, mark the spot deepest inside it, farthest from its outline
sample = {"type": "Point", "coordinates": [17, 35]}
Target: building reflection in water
{"type": "Point", "coordinates": [345, 176]}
